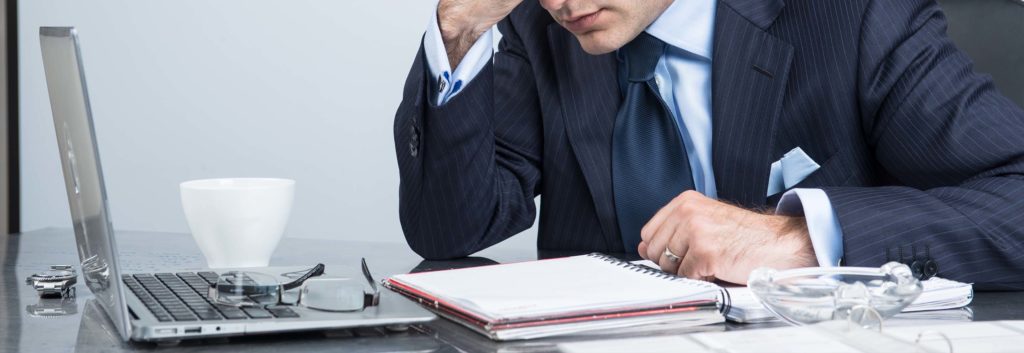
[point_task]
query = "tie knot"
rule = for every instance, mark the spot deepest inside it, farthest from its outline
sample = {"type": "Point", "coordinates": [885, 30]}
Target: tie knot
{"type": "Point", "coordinates": [641, 57]}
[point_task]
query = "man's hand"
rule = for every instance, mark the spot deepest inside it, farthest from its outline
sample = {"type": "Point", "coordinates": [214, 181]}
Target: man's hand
{"type": "Point", "coordinates": [716, 240]}
{"type": "Point", "coordinates": [462, 22]}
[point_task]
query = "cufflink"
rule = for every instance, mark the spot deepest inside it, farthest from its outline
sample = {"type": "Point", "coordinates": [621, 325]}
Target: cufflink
{"type": "Point", "coordinates": [441, 83]}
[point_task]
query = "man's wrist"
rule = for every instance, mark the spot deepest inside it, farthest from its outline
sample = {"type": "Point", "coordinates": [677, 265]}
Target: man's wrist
{"type": "Point", "coordinates": [458, 33]}
{"type": "Point", "coordinates": [822, 223]}
{"type": "Point", "coordinates": [793, 230]}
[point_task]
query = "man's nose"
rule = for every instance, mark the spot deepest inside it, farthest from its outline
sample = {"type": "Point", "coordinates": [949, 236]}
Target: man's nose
{"type": "Point", "coordinates": [553, 5]}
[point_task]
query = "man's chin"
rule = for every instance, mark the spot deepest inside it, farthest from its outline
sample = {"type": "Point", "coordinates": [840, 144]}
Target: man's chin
{"type": "Point", "coordinates": [594, 44]}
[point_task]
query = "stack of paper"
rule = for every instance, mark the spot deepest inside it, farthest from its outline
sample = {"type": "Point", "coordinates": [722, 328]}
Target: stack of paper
{"type": "Point", "coordinates": [939, 294]}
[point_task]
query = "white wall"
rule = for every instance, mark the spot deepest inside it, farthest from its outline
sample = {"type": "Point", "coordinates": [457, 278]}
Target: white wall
{"type": "Point", "coordinates": [185, 89]}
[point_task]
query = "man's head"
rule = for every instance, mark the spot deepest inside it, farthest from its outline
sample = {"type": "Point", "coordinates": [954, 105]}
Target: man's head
{"type": "Point", "coordinates": [603, 26]}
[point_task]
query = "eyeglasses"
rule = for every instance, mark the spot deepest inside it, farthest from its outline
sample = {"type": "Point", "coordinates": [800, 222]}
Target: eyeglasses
{"type": "Point", "coordinates": [336, 294]}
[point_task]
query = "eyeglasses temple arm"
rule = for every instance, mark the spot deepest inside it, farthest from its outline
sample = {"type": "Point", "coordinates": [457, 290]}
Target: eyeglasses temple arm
{"type": "Point", "coordinates": [375, 298]}
{"type": "Point", "coordinates": [315, 271]}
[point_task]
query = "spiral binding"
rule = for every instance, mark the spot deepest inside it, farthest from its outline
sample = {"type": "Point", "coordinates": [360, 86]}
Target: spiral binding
{"type": "Point", "coordinates": [724, 300]}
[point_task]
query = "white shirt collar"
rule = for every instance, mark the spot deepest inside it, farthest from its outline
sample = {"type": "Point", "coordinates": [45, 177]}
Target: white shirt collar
{"type": "Point", "coordinates": [688, 25]}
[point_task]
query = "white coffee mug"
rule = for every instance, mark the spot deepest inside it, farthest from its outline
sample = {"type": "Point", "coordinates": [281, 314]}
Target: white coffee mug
{"type": "Point", "coordinates": [237, 222]}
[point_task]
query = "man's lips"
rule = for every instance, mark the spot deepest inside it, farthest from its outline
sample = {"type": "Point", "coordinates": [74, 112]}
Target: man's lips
{"type": "Point", "coordinates": [581, 23]}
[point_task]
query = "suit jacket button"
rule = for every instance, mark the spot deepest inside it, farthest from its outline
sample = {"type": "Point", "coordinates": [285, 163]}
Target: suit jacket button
{"type": "Point", "coordinates": [917, 267]}
{"type": "Point", "coordinates": [930, 269]}
{"type": "Point", "coordinates": [413, 149]}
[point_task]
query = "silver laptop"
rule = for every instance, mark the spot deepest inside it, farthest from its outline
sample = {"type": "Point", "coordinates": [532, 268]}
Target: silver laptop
{"type": "Point", "coordinates": [167, 306]}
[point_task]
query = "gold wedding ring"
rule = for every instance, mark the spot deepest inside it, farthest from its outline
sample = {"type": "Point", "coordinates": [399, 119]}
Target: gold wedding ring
{"type": "Point", "coordinates": [671, 257]}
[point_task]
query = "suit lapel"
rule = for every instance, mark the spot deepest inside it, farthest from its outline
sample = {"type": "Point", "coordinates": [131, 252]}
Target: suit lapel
{"type": "Point", "coordinates": [588, 86]}
{"type": "Point", "coordinates": [750, 69]}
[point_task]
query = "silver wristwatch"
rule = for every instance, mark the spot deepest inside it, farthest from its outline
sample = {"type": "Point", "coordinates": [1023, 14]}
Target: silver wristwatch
{"type": "Point", "coordinates": [59, 281]}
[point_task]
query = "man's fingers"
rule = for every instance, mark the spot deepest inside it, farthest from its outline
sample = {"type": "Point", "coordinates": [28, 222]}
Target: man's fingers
{"type": "Point", "coordinates": [642, 250]}
{"type": "Point", "coordinates": [649, 229]}
{"type": "Point", "coordinates": [678, 247]}
{"type": "Point", "coordinates": [656, 245]}
{"type": "Point", "coordinates": [693, 267]}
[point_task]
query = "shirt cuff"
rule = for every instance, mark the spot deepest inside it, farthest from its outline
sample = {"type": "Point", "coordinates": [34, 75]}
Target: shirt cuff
{"type": "Point", "coordinates": [446, 82]}
{"type": "Point", "coordinates": [822, 223]}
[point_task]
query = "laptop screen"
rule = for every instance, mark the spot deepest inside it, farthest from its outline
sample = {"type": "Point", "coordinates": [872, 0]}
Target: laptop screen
{"type": "Point", "coordinates": [83, 177]}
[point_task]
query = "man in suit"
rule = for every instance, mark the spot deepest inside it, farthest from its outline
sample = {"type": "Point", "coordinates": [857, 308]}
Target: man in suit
{"type": "Point", "coordinates": [713, 137]}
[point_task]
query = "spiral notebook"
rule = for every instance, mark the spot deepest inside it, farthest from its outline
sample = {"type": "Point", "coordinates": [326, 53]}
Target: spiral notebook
{"type": "Point", "coordinates": [561, 296]}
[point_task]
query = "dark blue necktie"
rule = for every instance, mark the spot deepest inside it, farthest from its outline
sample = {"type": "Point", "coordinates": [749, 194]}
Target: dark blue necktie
{"type": "Point", "coordinates": [649, 163]}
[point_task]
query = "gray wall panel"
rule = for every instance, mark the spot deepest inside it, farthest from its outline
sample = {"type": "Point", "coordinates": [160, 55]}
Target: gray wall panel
{"type": "Point", "coordinates": [302, 89]}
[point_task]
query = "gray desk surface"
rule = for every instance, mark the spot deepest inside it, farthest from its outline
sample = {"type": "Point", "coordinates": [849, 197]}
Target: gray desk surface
{"type": "Point", "coordinates": [86, 329]}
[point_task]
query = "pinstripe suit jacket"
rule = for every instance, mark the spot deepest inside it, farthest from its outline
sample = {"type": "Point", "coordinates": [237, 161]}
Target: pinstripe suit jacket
{"type": "Point", "coordinates": [922, 159]}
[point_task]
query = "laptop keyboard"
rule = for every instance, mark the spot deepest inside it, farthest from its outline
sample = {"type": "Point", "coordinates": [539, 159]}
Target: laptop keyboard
{"type": "Point", "coordinates": [182, 297]}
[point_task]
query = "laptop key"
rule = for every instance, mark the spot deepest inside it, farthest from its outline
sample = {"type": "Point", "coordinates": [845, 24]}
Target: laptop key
{"type": "Point", "coordinates": [205, 310]}
{"type": "Point", "coordinates": [235, 315]}
{"type": "Point", "coordinates": [228, 312]}
{"type": "Point", "coordinates": [205, 307]}
{"type": "Point", "coordinates": [209, 315]}
{"type": "Point", "coordinates": [184, 317]}
{"type": "Point", "coordinates": [282, 312]}
{"type": "Point", "coordinates": [257, 313]}
{"type": "Point", "coordinates": [178, 308]}
{"type": "Point", "coordinates": [209, 277]}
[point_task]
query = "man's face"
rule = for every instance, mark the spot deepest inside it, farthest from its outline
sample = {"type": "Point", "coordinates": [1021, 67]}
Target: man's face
{"type": "Point", "coordinates": [603, 26]}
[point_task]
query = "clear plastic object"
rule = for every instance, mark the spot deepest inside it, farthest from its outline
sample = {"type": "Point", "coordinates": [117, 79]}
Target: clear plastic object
{"type": "Point", "coordinates": [861, 295]}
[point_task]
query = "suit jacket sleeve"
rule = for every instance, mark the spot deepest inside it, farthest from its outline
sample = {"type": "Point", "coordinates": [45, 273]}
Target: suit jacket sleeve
{"type": "Point", "coordinates": [953, 143]}
{"type": "Point", "coordinates": [469, 169]}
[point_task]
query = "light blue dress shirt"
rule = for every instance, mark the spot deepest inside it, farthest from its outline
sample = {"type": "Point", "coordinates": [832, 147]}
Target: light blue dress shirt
{"type": "Point", "coordinates": [683, 76]}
